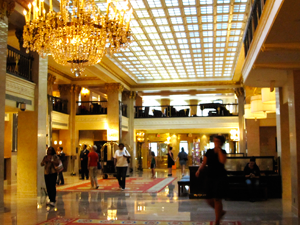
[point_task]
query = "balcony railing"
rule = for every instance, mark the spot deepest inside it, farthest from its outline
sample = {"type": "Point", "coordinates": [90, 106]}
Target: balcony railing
{"type": "Point", "coordinates": [91, 107]}
{"type": "Point", "coordinates": [251, 26]}
{"type": "Point", "coordinates": [19, 63]}
{"type": "Point", "coordinates": [205, 109]}
{"type": "Point", "coordinates": [59, 105]}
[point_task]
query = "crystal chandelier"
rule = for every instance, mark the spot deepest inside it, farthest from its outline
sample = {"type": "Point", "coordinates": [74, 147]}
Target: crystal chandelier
{"type": "Point", "coordinates": [79, 35]}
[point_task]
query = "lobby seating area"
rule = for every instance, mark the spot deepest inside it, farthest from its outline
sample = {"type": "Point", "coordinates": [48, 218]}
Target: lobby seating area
{"type": "Point", "coordinates": [269, 182]}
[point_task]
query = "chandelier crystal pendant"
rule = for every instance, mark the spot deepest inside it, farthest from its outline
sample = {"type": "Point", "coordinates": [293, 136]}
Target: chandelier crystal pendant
{"type": "Point", "coordinates": [78, 35]}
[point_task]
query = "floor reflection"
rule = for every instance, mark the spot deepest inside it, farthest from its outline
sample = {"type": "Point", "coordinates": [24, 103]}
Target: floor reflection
{"type": "Point", "coordinates": [162, 206]}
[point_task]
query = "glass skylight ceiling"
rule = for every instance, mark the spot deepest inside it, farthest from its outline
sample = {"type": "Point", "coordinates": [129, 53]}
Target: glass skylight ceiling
{"type": "Point", "coordinates": [183, 39]}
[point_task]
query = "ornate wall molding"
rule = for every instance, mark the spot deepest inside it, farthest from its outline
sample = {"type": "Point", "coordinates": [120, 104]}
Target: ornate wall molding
{"type": "Point", "coordinates": [91, 118]}
{"type": "Point", "coordinates": [187, 123]}
{"type": "Point", "coordinates": [19, 86]}
{"type": "Point", "coordinates": [112, 87]}
{"type": "Point", "coordinates": [60, 120]}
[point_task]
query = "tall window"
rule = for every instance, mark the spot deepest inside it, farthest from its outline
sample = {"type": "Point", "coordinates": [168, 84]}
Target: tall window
{"type": "Point", "coordinates": [184, 144]}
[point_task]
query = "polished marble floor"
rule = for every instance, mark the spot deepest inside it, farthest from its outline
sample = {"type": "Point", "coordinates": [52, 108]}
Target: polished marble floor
{"type": "Point", "coordinates": [165, 205]}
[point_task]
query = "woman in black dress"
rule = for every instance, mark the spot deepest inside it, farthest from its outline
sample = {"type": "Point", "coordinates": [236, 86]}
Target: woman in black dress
{"type": "Point", "coordinates": [170, 161]}
{"type": "Point", "coordinates": [216, 184]}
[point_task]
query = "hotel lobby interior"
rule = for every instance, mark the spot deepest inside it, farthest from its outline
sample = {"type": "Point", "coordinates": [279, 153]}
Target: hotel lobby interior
{"type": "Point", "coordinates": [151, 74]}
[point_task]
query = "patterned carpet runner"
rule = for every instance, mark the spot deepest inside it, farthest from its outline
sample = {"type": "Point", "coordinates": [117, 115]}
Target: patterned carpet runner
{"type": "Point", "coordinates": [133, 185]}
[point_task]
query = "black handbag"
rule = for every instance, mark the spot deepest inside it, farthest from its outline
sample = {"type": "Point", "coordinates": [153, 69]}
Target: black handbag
{"type": "Point", "coordinates": [128, 159]}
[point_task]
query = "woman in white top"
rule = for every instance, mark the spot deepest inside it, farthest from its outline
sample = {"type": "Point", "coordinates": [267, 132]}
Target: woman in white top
{"type": "Point", "coordinates": [121, 164]}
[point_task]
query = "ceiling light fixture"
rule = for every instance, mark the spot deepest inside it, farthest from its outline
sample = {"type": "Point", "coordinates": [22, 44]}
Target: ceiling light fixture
{"type": "Point", "coordinates": [258, 106]}
{"type": "Point", "coordinates": [77, 35]}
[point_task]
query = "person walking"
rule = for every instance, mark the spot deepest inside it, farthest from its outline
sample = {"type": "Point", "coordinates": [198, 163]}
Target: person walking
{"type": "Point", "coordinates": [62, 157]}
{"type": "Point", "coordinates": [121, 162]}
{"type": "Point", "coordinates": [93, 160]}
{"type": "Point", "coordinates": [84, 162]}
{"type": "Point", "coordinates": [183, 158]}
{"type": "Point", "coordinates": [171, 161]}
{"type": "Point", "coordinates": [153, 164]}
{"type": "Point", "coordinates": [49, 162]}
{"type": "Point", "coordinates": [216, 183]}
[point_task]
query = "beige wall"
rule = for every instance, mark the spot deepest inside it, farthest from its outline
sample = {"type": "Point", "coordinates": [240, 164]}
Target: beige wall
{"type": "Point", "coordinates": [89, 136]}
{"type": "Point", "coordinates": [267, 141]}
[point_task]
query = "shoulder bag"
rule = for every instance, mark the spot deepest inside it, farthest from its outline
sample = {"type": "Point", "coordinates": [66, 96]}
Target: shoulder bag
{"type": "Point", "coordinates": [60, 167]}
{"type": "Point", "coordinates": [128, 159]}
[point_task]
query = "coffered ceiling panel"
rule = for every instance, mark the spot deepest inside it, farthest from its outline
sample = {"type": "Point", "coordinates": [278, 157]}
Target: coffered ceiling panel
{"type": "Point", "coordinates": [183, 40]}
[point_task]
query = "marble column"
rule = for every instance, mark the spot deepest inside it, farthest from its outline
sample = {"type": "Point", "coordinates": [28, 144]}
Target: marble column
{"type": "Point", "coordinates": [294, 131]}
{"type": "Point", "coordinates": [194, 108]}
{"type": "Point", "coordinates": [283, 141]}
{"type": "Point", "coordinates": [32, 135]}
{"type": "Point", "coordinates": [51, 80]}
{"type": "Point", "coordinates": [3, 50]}
{"type": "Point", "coordinates": [129, 98]}
{"type": "Point", "coordinates": [71, 93]}
{"type": "Point", "coordinates": [165, 102]}
{"type": "Point", "coordinates": [241, 99]}
{"type": "Point", "coordinates": [114, 114]}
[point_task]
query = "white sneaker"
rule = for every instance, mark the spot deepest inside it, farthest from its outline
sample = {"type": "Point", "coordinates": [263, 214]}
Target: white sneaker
{"type": "Point", "coordinates": [52, 204]}
{"type": "Point", "coordinates": [122, 189]}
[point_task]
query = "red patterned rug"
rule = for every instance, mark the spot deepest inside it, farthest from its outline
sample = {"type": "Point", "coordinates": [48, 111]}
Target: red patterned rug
{"type": "Point", "coordinates": [64, 221]}
{"type": "Point", "coordinates": [136, 185]}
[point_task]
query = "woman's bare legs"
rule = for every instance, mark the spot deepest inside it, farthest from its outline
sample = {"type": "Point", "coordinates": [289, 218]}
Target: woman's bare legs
{"type": "Point", "coordinates": [182, 169]}
{"type": "Point", "coordinates": [218, 210]}
{"type": "Point", "coordinates": [170, 170]}
{"type": "Point", "coordinates": [216, 204]}
{"type": "Point", "coordinates": [153, 172]}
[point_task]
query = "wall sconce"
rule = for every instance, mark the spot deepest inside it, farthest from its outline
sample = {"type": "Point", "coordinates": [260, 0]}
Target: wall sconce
{"type": "Point", "coordinates": [60, 142]}
{"type": "Point", "coordinates": [55, 142]}
{"type": "Point", "coordinates": [234, 135]}
{"type": "Point", "coordinates": [22, 106]}
{"type": "Point", "coordinates": [140, 136]}
{"type": "Point", "coordinates": [84, 91]}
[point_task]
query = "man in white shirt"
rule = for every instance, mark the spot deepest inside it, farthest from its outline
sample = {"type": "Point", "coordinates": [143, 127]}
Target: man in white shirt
{"type": "Point", "coordinates": [121, 157]}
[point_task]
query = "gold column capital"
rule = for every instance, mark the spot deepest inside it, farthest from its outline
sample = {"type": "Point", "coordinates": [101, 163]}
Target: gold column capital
{"type": "Point", "coordinates": [6, 8]}
{"type": "Point", "coordinates": [239, 92]}
{"type": "Point", "coordinates": [51, 78]}
{"type": "Point", "coordinates": [114, 87]}
{"type": "Point", "coordinates": [129, 94]}
{"type": "Point", "coordinates": [69, 87]}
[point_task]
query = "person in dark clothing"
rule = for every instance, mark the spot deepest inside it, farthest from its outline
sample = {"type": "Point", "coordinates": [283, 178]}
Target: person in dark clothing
{"type": "Point", "coordinates": [84, 162]}
{"type": "Point", "coordinates": [171, 161]}
{"type": "Point", "coordinates": [50, 161]}
{"type": "Point", "coordinates": [183, 158]}
{"type": "Point", "coordinates": [252, 174]}
{"type": "Point", "coordinates": [216, 183]}
{"type": "Point", "coordinates": [62, 157]}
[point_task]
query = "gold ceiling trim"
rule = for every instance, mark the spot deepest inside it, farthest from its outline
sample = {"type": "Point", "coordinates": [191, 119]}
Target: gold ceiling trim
{"type": "Point", "coordinates": [52, 69]}
{"type": "Point", "coordinates": [190, 84]}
